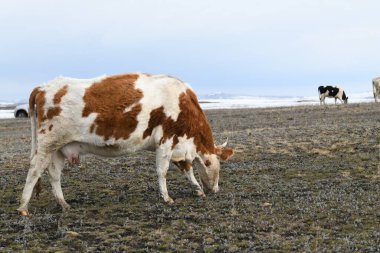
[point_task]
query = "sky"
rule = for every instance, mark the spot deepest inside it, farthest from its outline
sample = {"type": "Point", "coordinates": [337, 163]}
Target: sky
{"type": "Point", "coordinates": [244, 47]}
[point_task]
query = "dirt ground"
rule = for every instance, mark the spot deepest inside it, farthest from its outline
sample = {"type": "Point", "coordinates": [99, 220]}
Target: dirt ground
{"type": "Point", "coordinates": [302, 179]}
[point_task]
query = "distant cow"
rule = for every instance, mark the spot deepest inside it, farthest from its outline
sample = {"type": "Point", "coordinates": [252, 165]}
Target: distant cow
{"type": "Point", "coordinates": [115, 115]}
{"type": "Point", "coordinates": [376, 88]}
{"type": "Point", "coordinates": [332, 92]}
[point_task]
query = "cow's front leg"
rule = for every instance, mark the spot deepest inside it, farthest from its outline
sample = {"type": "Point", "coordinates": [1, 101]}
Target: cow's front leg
{"type": "Point", "coordinates": [190, 175]}
{"type": "Point", "coordinates": [187, 169]}
{"type": "Point", "coordinates": [323, 100]}
{"type": "Point", "coordinates": [163, 156]}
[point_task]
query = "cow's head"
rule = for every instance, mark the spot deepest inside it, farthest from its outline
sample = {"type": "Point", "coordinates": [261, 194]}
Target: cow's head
{"type": "Point", "coordinates": [208, 166]}
{"type": "Point", "coordinates": [344, 97]}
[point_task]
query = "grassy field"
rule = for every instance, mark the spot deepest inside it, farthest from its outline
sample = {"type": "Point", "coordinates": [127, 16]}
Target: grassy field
{"type": "Point", "coordinates": [303, 179]}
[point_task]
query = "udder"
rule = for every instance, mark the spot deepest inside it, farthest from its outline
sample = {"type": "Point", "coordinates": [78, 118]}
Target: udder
{"type": "Point", "coordinates": [72, 152]}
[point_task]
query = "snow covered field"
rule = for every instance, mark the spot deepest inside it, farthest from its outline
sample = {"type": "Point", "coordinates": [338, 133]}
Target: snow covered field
{"type": "Point", "coordinates": [230, 101]}
{"type": "Point", "coordinates": [261, 102]}
{"type": "Point", "coordinates": [6, 114]}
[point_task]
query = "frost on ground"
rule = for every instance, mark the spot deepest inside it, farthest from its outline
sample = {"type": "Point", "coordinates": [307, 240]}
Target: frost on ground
{"type": "Point", "coordinates": [302, 179]}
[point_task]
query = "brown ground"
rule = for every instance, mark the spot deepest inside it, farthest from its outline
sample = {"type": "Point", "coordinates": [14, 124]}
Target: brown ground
{"type": "Point", "coordinates": [303, 179]}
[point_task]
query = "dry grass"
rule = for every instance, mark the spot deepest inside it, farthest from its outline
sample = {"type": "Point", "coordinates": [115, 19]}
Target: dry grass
{"type": "Point", "coordinates": [303, 179]}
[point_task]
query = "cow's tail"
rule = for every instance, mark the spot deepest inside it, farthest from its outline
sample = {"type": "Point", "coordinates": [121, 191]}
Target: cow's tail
{"type": "Point", "coordinates": [33, 121]}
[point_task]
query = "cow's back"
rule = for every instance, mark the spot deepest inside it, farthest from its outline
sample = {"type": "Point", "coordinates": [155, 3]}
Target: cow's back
{"type": "Point", "coordinates": [114, 110]}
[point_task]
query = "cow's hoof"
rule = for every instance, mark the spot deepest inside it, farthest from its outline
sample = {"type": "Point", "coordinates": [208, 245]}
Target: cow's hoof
{"type": "Point", "coordinates": [201, 194]}
{"type": "Point", "coordinates": [169, 201]}
{"type": "Point", "coordinates": [64, 205]}
{"type": "Point", "coordinates": [23, 212]}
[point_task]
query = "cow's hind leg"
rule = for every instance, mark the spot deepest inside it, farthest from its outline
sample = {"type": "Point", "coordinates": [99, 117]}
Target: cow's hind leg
{"type": "Point", "coordinates": [38, 188]}
{"type": "Point", "coordinates": [39, 163]}
{"type": "Point", "coordinates": [55, 171]}
{"type": "Point", "coordinates": [163, 156]}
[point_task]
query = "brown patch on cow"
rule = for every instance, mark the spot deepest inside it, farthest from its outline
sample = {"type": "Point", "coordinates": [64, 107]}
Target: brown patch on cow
{"type": "Point", "coordinates": [224, 153]}
{"type": "Point", "coordinates": [191, 122]}
{"type": "Point", "coordinates": [109, 99]}
{"type": "Point", "coordinates": [208, 163]}
{"type": "Point", "coordinates": [53, 112]}
{"type": "Point", "coordinates": [40, 104]}
{"type": "Point", "coordinates": [42, 131]}
{"type": "Point", "coordinates": [183, 165]}
{"type": "Point", "coordinates": [158, 117]}
{"type": "Point", "coordinates": [58, 96]}
{"type": "Point", "coordinates": [50, 127]}
{"type": "Point", "coordinates": [37, 97]}
{"type": "Point", "coordinates": [56, 110]}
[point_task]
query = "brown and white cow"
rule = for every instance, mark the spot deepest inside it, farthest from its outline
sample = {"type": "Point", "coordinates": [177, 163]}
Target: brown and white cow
{"type": "Point", "coordinates": [115, 115]}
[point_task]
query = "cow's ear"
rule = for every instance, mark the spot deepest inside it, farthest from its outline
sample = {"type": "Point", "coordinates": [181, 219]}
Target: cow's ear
{"type": "Point", "coordinates": [224, 153]}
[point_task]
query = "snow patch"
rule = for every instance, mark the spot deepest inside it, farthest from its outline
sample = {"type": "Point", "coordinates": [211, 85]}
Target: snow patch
{"type": "Point", "coordinates": [6, 114]}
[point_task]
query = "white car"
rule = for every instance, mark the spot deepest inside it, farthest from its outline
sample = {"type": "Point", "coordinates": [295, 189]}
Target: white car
{"type": "Point", "coordinates": [21, 111]}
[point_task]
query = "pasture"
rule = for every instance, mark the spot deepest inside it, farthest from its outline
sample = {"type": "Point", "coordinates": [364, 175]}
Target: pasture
{"type": "Point", "coordinates": [303, 179]}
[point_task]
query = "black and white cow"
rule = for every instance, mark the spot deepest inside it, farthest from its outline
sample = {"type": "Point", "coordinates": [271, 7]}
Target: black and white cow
{"type": "Point", "coordinates": [332, 92]}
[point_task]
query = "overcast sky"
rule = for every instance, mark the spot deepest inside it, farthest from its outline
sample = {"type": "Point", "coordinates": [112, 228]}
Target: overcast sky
{"type": "Point", "coordinates": [257, 47]}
